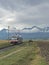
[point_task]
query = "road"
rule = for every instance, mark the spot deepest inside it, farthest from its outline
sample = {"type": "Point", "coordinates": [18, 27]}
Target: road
{"type": "Point", "coordinates": [12, 53]}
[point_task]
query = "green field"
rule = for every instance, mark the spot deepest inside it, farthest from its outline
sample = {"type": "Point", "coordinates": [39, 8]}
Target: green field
{"type": "Point", "coordinates": [27, 53]}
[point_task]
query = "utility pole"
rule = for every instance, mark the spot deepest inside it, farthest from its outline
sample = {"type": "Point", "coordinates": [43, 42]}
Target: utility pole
{"type": "Point", "coordinates": [8, 34]}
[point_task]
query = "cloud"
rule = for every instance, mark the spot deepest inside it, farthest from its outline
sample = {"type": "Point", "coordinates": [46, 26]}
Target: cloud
{"type": "Point", "coordinates": [24, 13]}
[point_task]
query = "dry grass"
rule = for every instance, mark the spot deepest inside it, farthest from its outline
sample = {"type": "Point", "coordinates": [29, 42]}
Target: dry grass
{"type": "Point", "coordinates": [4, 43]}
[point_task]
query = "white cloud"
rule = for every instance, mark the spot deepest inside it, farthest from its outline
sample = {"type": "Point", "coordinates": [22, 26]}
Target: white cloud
{"type": "Point", "coordinates": [22, 13]}
{"type": "Point", "coordinates": [6, 16]}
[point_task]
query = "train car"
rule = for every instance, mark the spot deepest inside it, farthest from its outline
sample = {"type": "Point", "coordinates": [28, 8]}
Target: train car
{"type": "Point", "coordinates": [16, 40]}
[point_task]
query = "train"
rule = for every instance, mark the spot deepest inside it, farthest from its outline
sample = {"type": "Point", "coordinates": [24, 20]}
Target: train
{"type": "Point", "coordinates": [17, 39]}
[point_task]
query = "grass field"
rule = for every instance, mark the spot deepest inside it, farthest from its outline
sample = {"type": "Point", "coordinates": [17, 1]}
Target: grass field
{"type": "Point", "coordinates": [24, 54]}
{"type": "Point", "coordinates": [4, 43]}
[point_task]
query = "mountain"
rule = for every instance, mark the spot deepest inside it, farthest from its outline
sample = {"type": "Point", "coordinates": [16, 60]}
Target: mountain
{"type": "Point", "coordinates": [27, 33]}
{"type": "Point", "coordinates": [36, 35]}
{"type": "Point", "coordinates": [3, 34]}
{"type": "Point", "coordinates": [35, 29]}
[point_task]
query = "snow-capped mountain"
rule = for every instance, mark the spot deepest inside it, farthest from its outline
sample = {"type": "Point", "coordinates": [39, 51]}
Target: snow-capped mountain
{"type": "Point", "coordinates": [27, 33]}
{"type": "Point", "coordinates": [35, 29]}
{"type": "Point", "coordinates": [32, 29]}
{"type": "Point", "coordinates": [27, 30]}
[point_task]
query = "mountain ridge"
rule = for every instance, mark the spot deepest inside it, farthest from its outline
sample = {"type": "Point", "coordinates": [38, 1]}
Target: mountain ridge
{"type": "Point", "coordinates": [44, 29]}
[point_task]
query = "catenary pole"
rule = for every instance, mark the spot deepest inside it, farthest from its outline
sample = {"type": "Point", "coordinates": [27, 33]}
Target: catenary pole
{"type": "Point", "coordinates": [8, 33]}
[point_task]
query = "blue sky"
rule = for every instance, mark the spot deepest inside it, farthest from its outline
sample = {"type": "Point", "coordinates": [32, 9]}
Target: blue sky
{"type": "Point", "coordinates": [24, 13]}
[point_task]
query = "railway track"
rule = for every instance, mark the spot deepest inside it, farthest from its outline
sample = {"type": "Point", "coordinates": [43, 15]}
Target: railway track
{"type": "Point", "coordinates": [2, 49]}
{"type": "Point", "coordinates": [6, 48]}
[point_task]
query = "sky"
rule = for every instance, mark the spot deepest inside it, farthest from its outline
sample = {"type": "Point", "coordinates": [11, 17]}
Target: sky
{"type": "Point", "coordinates": [24, 13]}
